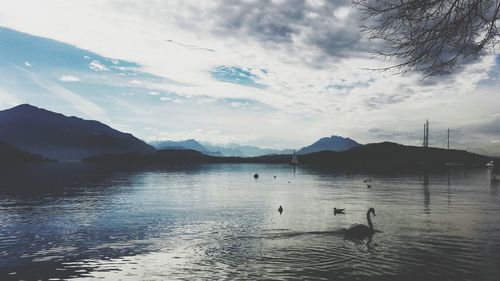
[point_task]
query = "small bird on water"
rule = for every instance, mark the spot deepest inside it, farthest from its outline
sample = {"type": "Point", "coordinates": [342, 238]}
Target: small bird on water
{"type": "Point", "coordinates": [280, 209]}
{"type": "Point", "coordinates": [338, 211]}
{"type": "Point", "coordinates": [256, 176]}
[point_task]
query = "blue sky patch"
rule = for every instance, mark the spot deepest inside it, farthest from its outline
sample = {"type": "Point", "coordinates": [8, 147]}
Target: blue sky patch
{"type": "Point", "coordinates": [237, 75]}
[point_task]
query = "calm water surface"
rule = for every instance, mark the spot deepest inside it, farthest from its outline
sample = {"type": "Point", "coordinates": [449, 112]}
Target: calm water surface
{"type": "Point", "coordinates": [215, 222]}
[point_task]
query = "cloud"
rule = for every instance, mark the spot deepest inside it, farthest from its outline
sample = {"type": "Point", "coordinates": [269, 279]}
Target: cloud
{"type": "Point", "coordinates": [328, 27]}
{"type": "Point", "coordinates": [97, 66]}
{"type": "Point", "coordinates": [153, 93]}
{"type": "Point", "coordinates": [26, 63]}
{"type": "Point", "coordinates": [69, 78]}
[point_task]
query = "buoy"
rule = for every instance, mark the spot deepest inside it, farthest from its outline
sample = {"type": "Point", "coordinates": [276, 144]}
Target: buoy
{"type": "Point", "coordinates": [280, 209]}
{"type": "Point", "coordinates": [256, 176]}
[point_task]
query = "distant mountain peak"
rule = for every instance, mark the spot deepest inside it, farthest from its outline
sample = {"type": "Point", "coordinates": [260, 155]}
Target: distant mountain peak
{"type": "Point", "coordinates": [332, 143]}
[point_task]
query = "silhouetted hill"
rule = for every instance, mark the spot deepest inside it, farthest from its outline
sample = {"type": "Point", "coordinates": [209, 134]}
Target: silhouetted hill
{"type": "Point", "coordinates": [384, 156]}
{"type": "Point", "coordinates": [333, 143]}
{"type": "Point", "coordinates": [387, 155]}
{"type": "Point", "coordinates": [11, 155]}
{"type": "Point", "coordinates": [63, 138]}
{"type": "Point", "coordinates": [190, 144]}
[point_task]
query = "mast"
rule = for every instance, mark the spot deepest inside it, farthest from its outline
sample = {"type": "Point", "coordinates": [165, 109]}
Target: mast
{"type": "Point", "coordinates": [448, 138]}
{"type": "Point", "coordinates": [426, 133]}
{"type": "Point", "coordinates": [423, 143]}
{"type": "Point", "coordinates": [294, 158]}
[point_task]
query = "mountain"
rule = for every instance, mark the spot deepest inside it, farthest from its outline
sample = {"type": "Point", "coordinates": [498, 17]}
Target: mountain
{"type": "Point", "coordinates": [333, 143]}
{"type": "Point", "coordinates": [238, 150]}
{"type": "Point", "coordinates": [60, 137]}
{"type": "Point", "coordinates": [11, 155]}
{"type": "Point", "coordinates": [190, 144]}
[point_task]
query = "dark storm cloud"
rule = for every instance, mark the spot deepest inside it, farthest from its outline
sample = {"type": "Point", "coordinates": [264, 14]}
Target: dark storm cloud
{"type": "Point", "coordinates": [264, 20]}
{"type": "Point", "coordinates": [295, 22]}
{"type": "Point", "coordinates": [292, 25]}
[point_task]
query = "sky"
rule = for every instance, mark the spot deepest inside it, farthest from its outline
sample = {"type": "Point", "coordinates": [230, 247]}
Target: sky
{"type": "Point", "coordinates": [271, 73]}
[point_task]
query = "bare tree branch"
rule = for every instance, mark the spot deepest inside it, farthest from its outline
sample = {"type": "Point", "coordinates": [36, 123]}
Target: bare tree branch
{"type": "Point", "coordinates": [431, 36]}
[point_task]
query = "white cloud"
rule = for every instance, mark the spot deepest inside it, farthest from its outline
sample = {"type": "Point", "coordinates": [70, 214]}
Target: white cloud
{"type": "Point", "coordinates": [153, 93]}
{"type": "Point", "coordinates": [342, 12]}
{"type": "Point", "coordinates": [26, 63]}
{"type": "Point", "coordinates": [69, 78]}
{"type": "Point", "coordinates": [97, 66]}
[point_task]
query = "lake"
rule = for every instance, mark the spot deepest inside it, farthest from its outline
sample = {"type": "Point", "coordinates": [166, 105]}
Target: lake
{"type": "Point", "coordinates": [216, 222]}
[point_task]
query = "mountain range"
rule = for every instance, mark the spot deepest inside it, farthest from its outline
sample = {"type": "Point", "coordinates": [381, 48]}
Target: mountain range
{"type": "Point", "coordinates": [333, 143]}
{"type": "Point", "coordinates": [59, 137]}
{"type": "Point", "coordinates": [190, 144]}
{"type": "Point", "coordinates": [234, 149]}
{"type": "Point", "coordinates": [63, 138]}
{"type": "Point", "coordinates": [219, 150]}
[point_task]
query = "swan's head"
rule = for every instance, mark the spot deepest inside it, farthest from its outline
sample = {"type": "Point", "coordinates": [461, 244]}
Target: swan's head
{"type": "Point", "coordinates": [371, 210]}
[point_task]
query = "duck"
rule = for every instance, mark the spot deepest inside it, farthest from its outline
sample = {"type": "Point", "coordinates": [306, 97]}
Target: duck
{"type": "Point", "coordinates": [361, 231]}
{"type": "Point", "coordinates": [338, 211]}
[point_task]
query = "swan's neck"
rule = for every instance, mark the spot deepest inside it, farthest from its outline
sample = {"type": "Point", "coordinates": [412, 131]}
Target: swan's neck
{"type": "Point", "coordinates": [370, 224]}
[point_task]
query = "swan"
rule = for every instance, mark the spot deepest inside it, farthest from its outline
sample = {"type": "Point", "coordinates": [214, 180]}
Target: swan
{"type": "Point", "coordinates": [361, 231]}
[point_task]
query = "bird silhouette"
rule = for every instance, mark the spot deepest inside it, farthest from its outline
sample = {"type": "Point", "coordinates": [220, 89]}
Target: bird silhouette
{"type": "Point", "coordinates": [338, 211]}
{"type": "Point", "coordinates": [361, 231]}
